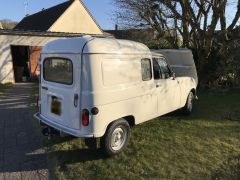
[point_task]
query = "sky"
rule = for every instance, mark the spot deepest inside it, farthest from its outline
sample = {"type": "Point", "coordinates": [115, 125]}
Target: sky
{"type": "Point", "coordinates": [101, 10]}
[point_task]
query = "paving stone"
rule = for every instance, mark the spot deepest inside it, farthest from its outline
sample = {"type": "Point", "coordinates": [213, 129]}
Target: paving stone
{"type": "Point", "coordinates": [1, 176]}
{"type": "Point", "coordinates": [22, 155]}
{"type": "Point", "coordinates": [28, 166]}
{"type": "Point", "coordinates": [29, 175]}
{"type": "Point", "coordinates": [12, 176]}
{"type": "Point", "coordinates": [42, 174]}
{"type": "Point", "coordinates": [1, 171]}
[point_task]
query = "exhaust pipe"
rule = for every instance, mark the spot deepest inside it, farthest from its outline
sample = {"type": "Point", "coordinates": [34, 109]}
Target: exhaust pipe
{"type": "Point", "coordinates": [49, 132]}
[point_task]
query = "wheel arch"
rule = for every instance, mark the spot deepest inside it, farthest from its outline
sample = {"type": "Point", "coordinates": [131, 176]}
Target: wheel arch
{"type": "Point", "coordinates": [194, 91]}
{"type": "Point", "coordinates": [130, 120]}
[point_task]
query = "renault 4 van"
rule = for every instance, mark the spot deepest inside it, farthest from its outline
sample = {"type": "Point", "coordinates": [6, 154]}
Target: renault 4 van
{"type": "Point", "coordinates": [98, 88]}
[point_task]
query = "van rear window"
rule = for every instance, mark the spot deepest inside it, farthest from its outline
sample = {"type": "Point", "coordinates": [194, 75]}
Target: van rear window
{"type": "Point", "coordinates": [58, 70]}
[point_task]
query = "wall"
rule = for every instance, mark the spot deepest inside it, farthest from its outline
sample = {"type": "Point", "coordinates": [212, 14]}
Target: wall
{"type": "Point", "coordinates": [76, 19]}
{"type": "Point", "coordinates": [6, 65]}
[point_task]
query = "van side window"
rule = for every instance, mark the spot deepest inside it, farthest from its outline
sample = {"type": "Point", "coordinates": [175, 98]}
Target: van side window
{"type": "Point", "coordinates": [146, 70]}
{"type": "Point", "coordinates": [156, 69]}
{"type": "Point", "coordinates": [166, 72]}
{"type": "Point", "coordinates": [161, 69]}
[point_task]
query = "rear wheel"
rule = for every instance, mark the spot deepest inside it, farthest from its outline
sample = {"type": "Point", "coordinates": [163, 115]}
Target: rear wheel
{"type": "Point", "coordinates": [116, 137]}
{"type": "Point", "coordinates": [188, 108]}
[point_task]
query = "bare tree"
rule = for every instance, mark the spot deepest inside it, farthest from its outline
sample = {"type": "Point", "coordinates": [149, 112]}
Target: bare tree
{"type": "Point", "coordinates": [197, 22]}
{"type": "Point", "coordinates": [8, 24]}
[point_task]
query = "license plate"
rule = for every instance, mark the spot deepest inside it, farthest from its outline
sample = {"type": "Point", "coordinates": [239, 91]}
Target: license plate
{"type": "Point", "coordinates": [56, 106]}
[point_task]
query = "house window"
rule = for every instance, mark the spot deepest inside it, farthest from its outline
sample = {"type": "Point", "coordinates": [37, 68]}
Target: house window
{"type": "Point", "coordinates": [146, 70]}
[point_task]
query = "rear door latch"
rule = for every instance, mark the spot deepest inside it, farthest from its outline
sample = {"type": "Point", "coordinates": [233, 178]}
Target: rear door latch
{"type": "Point", "coordinates": [75, 100]}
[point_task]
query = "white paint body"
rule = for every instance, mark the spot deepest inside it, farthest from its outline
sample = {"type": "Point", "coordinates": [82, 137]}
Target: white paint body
{"type": "Point", "coordinates": [107, 75]}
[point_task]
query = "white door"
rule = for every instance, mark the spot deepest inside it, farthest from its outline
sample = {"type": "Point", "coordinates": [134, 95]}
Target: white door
{"type": "Point", "coordinates": [60, 89]}
{"type": "Point", "coordinates": [167, 87]}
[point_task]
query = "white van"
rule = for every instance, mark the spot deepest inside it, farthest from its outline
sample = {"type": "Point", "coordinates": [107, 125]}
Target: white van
{"type": "Point", "coordinates": [101, 87]}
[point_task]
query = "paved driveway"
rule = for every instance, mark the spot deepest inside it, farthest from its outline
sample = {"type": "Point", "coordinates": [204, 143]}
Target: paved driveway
{"type": "Point", "coordinates": [21, 153]}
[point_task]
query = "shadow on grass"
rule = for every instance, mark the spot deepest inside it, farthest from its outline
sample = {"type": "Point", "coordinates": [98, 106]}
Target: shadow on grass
{"type": "Point", "coordinates": [78, 155]}
{"type": "Point", "coordinates": [229, 169]}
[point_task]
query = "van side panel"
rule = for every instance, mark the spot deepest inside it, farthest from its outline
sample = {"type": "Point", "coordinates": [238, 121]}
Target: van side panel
{"type": "Point", "coordinates": [117, 72]}
{"type": "Point", "coordinates": [186, 84]}
{"type": "Point", "coordinates": [138, 107]}
{"type": "Point", "coordinates": [113, 84]}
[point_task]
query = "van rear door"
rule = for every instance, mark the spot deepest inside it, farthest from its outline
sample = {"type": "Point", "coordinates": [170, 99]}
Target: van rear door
{"type": "Point", "coordinates": [60, 89]}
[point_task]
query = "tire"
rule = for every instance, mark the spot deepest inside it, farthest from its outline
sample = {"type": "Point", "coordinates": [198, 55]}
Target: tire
{"type": "Point", "coordinates": [188, 108]}
{"type": "Point", "coordinates": [116, 137]}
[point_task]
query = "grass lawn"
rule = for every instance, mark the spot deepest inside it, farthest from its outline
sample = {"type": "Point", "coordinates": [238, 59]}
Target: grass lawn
{"type": "Point", "coordinates": [205, 145]}
{"type": "Point", "coordinates": [3, 87]}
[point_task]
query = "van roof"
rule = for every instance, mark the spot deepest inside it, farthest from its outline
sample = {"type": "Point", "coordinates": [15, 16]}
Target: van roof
{"type": "Point", "coordinates": [95, 45]}
{"type": "Point", "coordinates": [176, 56]}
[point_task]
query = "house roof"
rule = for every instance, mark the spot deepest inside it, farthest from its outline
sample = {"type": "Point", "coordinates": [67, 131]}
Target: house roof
{"type": "Point", "coordinates": [44, 19]}
{"type": "Point", "coordinates": [47, 34]}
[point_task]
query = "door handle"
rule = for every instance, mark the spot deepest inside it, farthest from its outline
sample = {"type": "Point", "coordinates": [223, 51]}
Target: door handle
{"type": "Point", "coordinates": [45, 88]}
{"type": "Point", "coordinates": [75, 103]}
{"type": "Point", "coordinates": [157, 86]}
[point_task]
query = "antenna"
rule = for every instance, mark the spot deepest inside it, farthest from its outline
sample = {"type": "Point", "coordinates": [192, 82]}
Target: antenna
{"type": "Point", "coordinates": [26, 6]}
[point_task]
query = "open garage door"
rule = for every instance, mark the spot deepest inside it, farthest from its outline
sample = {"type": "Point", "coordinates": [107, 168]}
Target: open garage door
{"type": "Point", "coordinates": [34, 56]}
{"type": "Point", "coordinates": [20, 57]}
{"type": "Point", "coordinates": [25, 62]}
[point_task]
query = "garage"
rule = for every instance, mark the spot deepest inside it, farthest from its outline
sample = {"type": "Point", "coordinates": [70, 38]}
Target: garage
{"type": "Point", "coordinates": [25, 62]}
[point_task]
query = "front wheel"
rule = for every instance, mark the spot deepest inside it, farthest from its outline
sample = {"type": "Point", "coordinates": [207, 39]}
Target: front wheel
{"type": "Point", "coordinates": [116, 137]}
{"type": "Point", "coordinates": [188, 108]}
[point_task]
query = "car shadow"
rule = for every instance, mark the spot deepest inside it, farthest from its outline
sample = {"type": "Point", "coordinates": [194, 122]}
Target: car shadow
{"type": "Point", "coordinates": [78, 155]}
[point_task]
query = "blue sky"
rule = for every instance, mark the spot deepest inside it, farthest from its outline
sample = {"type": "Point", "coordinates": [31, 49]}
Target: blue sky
{"type": "Point", "coordinates": [101, 10]}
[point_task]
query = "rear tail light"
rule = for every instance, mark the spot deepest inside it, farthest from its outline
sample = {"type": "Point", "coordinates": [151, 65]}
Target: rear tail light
{"type": "Point", "coordinates": [85, 117]}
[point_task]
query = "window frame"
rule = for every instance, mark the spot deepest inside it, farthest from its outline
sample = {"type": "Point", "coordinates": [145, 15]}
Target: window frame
{"type": "Point", "coordinates": [59, 58]}
{"type": "Point", "coordinates": [150, 63]}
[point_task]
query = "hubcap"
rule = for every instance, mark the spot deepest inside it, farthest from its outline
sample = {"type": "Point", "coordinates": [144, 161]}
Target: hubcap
{"type": "Point", "coordinates": [118, 139]}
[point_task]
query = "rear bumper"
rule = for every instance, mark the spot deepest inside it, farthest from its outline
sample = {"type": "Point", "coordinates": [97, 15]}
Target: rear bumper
{"type": "Point", "coordinates": [61, 128]}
